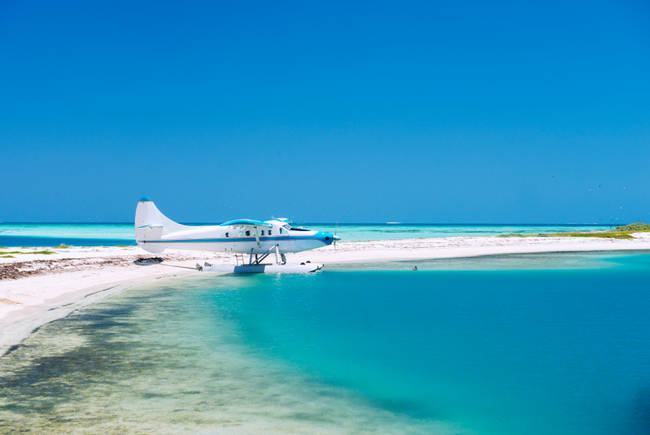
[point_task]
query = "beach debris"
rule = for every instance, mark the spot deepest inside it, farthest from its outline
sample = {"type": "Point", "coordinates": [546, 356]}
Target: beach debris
{"type": "Point", "coordinates": [144, 261]}
{"type": "Point", "coordinates": [21, 269]}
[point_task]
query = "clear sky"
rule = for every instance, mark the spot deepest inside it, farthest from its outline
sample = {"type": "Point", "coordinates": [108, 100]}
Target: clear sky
{"type": "Point", "coordinates": [458, 111]}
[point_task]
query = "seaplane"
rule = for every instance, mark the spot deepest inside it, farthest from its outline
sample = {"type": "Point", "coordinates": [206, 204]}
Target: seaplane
{"type": "Point", "coordinates": [258, 240]}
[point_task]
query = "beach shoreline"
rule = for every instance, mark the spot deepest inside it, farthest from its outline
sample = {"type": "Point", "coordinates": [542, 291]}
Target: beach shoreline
{"type": "Point", "coordinates": [46, 287]}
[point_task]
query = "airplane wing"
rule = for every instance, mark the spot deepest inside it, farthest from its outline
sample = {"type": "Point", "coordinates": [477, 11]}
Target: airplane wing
{"type": "Point", "coordinates": [251, 223]}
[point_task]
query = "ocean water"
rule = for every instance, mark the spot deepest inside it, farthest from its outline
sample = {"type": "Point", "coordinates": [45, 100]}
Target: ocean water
{"type": "Point", "coordinates": [514, 345]}
{"type": "Point", "coordinates": [71, 234]}
{"type": "Point", "coordinates": [12, 234]}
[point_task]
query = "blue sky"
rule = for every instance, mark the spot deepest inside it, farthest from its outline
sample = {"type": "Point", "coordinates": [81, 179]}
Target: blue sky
{"type": "Point", "coordinates": [519, 112]}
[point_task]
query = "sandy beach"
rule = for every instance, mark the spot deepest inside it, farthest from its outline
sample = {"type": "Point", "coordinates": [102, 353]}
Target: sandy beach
{"type": "Point", "coordinates": [38, 288]}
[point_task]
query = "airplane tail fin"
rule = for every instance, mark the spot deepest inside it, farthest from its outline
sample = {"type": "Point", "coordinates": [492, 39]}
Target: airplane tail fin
{"type": "Point", "coordinates": [151, 225]}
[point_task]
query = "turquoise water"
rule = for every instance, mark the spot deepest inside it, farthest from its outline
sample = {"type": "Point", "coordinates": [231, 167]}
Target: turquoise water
{"type": "Point", "coordinates": [117, 234]}
{"type": "Point", "coordinates": [507, 345]}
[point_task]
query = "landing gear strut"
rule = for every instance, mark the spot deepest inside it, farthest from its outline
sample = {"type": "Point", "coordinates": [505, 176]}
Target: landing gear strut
{"type": "Point", "coordinates": [258, 258]}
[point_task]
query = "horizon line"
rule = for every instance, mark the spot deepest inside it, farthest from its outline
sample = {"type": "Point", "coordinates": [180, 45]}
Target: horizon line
{"type": "Point", "coordinates": [393, 223]}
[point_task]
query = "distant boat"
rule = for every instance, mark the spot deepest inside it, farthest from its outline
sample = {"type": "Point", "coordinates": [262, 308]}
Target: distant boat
{"type": "Point", "coordinates": [393, 223]}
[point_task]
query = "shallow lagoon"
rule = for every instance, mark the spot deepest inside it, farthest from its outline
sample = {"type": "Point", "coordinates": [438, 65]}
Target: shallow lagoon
{"type": "Point", "coordinates": [503, 345]}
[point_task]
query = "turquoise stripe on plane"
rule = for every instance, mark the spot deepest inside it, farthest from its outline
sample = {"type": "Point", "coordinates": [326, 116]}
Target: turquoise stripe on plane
{"type": "Point", "coordinates": [232, 239]}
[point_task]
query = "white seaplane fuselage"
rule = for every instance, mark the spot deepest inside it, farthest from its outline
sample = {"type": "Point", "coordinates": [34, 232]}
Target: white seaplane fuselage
{"type": "Point", "coordinates": [155, 232]}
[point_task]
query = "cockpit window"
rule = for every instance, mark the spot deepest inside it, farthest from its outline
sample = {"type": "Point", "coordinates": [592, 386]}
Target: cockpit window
{"type": "Point", "coordinates": [298, 229]}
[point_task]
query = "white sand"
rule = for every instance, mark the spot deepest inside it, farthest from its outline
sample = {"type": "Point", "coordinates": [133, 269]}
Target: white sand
{"type": "Point", "coordinates": [76, 276]}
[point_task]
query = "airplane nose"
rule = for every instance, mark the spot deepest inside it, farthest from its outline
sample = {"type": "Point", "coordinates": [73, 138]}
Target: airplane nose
{"type": "Point", "coordinates": [328, 238]}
